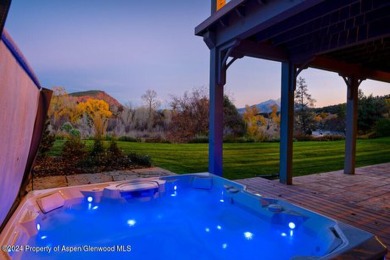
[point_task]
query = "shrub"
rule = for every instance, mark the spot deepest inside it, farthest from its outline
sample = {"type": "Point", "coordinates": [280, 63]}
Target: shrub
{"type": "Point", "coordinates": [243, 139]}
{"type": "Point", "coordinates": [74, 150]}
{"type": "Point", "coordinates": [67, 127]}
{"type": "Point", "coordinates": [143, 160]}
{"type": "Point", "coordinates": [199, 139]}
{"type": "Point", "coordinates": [302, 137]}
{"type": "Point", "coordinates": [128, 139]}
{"type": "Point", "coordinates": [74, 132]}
{"type": "Point", "coordinates": [156, 140]}
{"type": "Point", "coordinates": [98, 147]}
{"type": "Point", "coordinates": [47, 141]}
{"type": "Point", "coordinates": [113, 149]}
{"type": "Point", "coordinates": [61, 136]}
{"type": "Point", "coordinates": [369, 135]}
{"type": "Point", "coordinates": [328, 138]}
{"type": "Point", "coordinates": [382, 127]}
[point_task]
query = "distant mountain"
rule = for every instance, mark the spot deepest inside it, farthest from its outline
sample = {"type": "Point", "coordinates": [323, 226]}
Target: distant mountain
{"type": "Point", "coordinates": [264, 107]}
{"type": "Point", "coordinates": [96, 94]}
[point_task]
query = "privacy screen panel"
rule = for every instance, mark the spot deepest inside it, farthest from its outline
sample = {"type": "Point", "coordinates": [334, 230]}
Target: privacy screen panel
{"type": "Point", "coordinates": [19, 100]}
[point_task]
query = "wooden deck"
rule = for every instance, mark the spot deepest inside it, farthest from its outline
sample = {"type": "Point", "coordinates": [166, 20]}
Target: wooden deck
{"type": "Point", "coordinates": [361, 200]}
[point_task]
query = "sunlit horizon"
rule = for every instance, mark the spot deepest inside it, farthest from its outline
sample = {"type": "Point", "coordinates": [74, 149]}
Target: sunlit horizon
{"type": "Point", "coordinates": [127, 47]}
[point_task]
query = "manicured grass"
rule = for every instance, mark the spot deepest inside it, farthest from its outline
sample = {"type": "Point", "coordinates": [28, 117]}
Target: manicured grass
{"type": "Point", "coordinates": [243, 160]}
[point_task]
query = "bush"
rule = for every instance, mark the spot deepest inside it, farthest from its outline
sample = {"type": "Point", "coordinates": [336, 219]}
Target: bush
{"type": "Point", "coordinates": [113, 149]}
{"type": "Point", "coordinates": [61, 136]}
{"type": "Point", "coordinates": [98, 147]}
{"type": "Point", "coordinates": [143, 160]}
{"type": "Point", "coordinates": [329, 138]}
{"type": "Point", "coordinates": [156, 140]}
{"type": "Point", "coordinates": [382, 127]}
{"type": "Point", "coordinates": [47, 141]}
{"type": "Point", "coordinates": [128, 139]}
{"type": "Point", "coordinates": [369, 135]}
{"type": "Point", "coordinates": [302, 137]}
{"type": "Point", "coordinates": [199, 139]}
{"type": "Point", "coordinates": [74, 132]}
{"type": "Point", "coordinates": [244, 139]}
{"type": "Point", "coordinates": [74, 150]}
{"type": "Point", "coordinates": [67, 127]}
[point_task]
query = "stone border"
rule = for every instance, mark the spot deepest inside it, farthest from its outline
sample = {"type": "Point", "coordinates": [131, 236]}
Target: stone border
{"type": "Point", "coordinates": [49, 182]}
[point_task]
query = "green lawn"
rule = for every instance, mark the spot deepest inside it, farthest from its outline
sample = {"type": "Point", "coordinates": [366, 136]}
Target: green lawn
{"type": "Point", "coordinates": [242, 160]}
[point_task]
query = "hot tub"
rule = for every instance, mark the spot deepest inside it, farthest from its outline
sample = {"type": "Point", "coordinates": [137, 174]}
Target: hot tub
{"type": "Point", "coordinates": [197, 216]}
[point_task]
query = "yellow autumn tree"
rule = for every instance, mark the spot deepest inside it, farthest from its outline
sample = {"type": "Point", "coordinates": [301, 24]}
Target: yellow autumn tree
{"type": "Point", "coordinates": [274, 115]}
{"type": "Point", "coordinates": [97, 112]}
{"type": "Point", "coordinates": [255, 123]}
{"type": "Point", "coordinates": [62, 108]}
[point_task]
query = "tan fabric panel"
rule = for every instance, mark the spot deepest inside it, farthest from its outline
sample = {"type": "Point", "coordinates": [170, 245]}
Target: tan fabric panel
{"type": "Point", "coordinates": [19, 99]}
{"type": "Point", "coordinates": [43, 107]}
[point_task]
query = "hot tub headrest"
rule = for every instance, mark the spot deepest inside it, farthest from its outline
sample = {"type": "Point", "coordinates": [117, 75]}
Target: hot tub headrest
{"type": "Point", "coordinates": [51, 202]}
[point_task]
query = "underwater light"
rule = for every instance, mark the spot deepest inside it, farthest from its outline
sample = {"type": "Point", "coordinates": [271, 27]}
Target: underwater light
{"type": "Point", "coordinates": [131, 222]}
{"type": "Point", "coordinates": [248, 235]}
{"type": "Point", "coordinates": [291, 225]}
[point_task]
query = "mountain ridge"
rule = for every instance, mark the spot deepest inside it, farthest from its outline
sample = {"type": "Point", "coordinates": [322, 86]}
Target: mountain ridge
{"type": "Point", "coordinates": [264, 107]}
{"type": "Point", "coordinates": [83, 96]}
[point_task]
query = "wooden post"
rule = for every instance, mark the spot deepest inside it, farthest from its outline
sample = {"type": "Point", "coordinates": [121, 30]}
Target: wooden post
{"type": "Point", "coordinates": [213, 6]}
{"type": "Point", "coordinates": [216, 116]}
{"type": "Point", "coordinates": [351, 124]}
{"type": "Point", "coordinates": [287, 122]}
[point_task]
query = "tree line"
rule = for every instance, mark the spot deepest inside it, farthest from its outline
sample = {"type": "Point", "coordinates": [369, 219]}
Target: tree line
{"type": "Point", "coordinates": [187, 117]}
{"type": "Point", "coordinates": [185, 120]}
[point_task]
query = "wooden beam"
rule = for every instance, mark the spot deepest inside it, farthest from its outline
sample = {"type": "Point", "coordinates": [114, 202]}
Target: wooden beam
{"type": "Point", "coordinates": [216, 116]}
{"type": "Point", "coordinates": [240, 11]}
{"type": "Point", "coordinates": [348, 69]}
{"type": "Point", "coordinates": [260, 50]}
{"type": "Point", "coordinates": [215, 16]}
{"type": "Point", "coordinates": [213, 6]}
{"type": "Point", "coordinates": [287, 122]}
{"type": "Point", "coordinates": [351, 124]}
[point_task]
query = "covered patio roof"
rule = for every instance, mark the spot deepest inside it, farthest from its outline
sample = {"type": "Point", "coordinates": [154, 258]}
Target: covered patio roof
{"type": "Point", "coordinates": [351, 38]}
{"type": "Point", "coordinates": [347, 37]}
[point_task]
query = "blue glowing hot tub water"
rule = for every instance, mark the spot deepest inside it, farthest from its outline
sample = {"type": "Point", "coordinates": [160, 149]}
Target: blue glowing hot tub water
{"type": "Point", "coordinates": [196, 217]}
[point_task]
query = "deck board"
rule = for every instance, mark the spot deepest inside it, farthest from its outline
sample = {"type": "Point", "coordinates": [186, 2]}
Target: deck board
{"type": "Point", "coordinates": [361, 200]}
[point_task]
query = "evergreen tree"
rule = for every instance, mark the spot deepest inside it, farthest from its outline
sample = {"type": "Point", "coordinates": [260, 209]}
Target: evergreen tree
{"type": "Point", "coordinates": [304, 114]}
{"type": "Point", "coordinates": [370, 110]}
{"type": "Point", "coordinates": [234, 124]}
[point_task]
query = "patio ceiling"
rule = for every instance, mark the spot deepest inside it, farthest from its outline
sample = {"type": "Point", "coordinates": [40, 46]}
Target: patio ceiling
{"type": "Point", "coordinates": [350, 37]}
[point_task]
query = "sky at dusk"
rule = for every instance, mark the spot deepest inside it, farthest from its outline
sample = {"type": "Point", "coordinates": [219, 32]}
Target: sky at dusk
{"type": "Point", "coordinates": [125, 47]}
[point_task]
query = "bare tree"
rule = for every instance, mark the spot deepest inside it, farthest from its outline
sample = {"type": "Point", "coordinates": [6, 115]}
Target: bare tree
{"type": "Point", "coordinates": [189, 116]}
{"type": "Point", "coordinates": [150, 98]}
{"type": "Point", "coordinates": [152, 103]}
